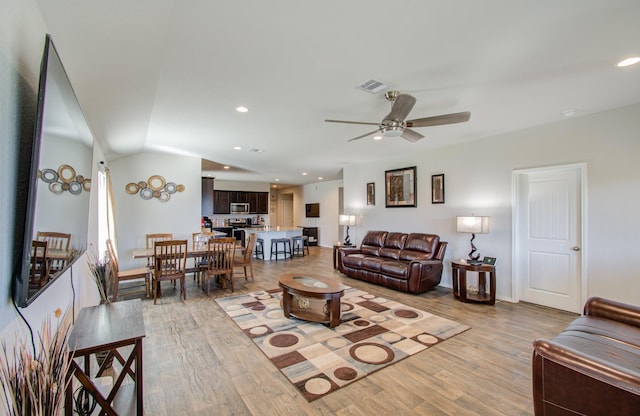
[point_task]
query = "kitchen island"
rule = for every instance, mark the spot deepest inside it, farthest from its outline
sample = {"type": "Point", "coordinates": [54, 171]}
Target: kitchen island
{"type": "Point", "coordinates": [267, 234]}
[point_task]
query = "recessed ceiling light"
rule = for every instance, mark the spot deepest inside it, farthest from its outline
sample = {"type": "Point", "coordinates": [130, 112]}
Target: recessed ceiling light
{"type": "Point", "coordinates": [277, 180]}
{"type": "Point", "coordinates": [377, 137]}
{"type": "Point", "coordinates": [304, 173]}
{"type": "Point", "coordinates": [320, 178]}
{"type": "Point", "coordinates": [242, 109]}
{"type": "Point", "coordinates": [237, 148]}
{"type": "Point", "coordinates": [629, 61]}
{"type": "Point", "coordinates": [568, 113]}
{"type": "Point", "coordinates": [226, 167]}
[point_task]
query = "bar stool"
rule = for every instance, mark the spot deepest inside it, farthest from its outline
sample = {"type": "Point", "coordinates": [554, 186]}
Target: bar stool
{"type": "Point", "coordinates": [259, 251]}
{"type": "Point", "coordinates": [286, 247]}
{"type": "Point", "coordinates": [299, 243]}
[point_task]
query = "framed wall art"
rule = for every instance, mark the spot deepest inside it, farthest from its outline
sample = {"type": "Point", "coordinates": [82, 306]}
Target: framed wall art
{"type": "Point", "coordinates": [400, 188]}
{"type": "Point", "coordinates": [437, 189]}
{"type": "Point", "coordinates": [371, 193]}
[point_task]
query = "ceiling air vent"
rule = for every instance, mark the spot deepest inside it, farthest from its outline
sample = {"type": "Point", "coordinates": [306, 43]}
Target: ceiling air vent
{"type": "Point", "coordinates": [256, 150]}
{"type": "Point", "coordinates": [373, 86]}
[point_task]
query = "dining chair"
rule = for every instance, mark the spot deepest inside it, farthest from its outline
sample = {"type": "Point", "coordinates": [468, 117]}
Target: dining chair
{"type": "Point", "coordinates": [118, 275]}
{"type": "Point", "coordinates": [199, 240]}
{"type": "Point", "coordinates": [59, 242]}
{"type": "Point", "coordinates": [39, 270]}
{"type": "Point", "coordinates": [151, 239]}
{"type": "Point", "coordinates": [219, 261]}
{"type": "Point", "coordinates": [246, 260]}
{"type": "Point", "coordinates": [170, 259]}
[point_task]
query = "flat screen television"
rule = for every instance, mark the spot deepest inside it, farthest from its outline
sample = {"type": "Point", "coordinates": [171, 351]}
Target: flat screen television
{"type": "Point", "coordinates": [312, 210]}
{"type": "Point", "coordinates": [60, 171]}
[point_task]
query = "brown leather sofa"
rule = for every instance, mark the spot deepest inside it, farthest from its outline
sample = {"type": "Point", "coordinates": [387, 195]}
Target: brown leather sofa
{"type": "Point", "coordinates": [406, 262]}
{"type": "Point", "coordinates": [593, 366]}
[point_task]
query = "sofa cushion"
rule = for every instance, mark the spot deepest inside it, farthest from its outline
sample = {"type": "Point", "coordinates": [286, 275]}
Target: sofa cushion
{"type": "Point", "coordinates": [420, 247]}
{"type": "Point", "coordinates": [372, 242]}
{"type": "Point", "coordinates": [397, 269]}
{"type": "Point", "coordinates": [392, 245]}
{"type": "Point", "coordinates": [372, 263]}
{"type": "Point", "coordinates": [353, 260]}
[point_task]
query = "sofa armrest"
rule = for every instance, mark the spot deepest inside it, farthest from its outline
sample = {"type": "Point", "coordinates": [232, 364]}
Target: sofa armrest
{"type": "Point", "coordinates": [615, 311]}
{"type": "Point", "coordinates": [588, 365]}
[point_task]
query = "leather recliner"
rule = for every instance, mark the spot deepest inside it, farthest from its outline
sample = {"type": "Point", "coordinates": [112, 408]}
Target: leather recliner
{"type": "Point", "coordinates": [593, 366]}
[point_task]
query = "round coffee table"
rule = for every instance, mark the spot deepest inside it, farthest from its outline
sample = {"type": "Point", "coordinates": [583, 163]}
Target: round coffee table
{"type": "Point", "coordinates": [306, 287]}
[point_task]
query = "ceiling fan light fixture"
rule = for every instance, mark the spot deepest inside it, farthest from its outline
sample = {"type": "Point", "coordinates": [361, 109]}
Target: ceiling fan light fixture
{"type": "Point", "coordinates": [629, 61]}
{"type": "Point", "coordinates": [392, 131]}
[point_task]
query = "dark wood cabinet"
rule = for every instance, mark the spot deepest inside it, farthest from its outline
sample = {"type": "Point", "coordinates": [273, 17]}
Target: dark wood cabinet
{"type": "Point", "coordinates": [207, 197]}
{"type": "Point", "coordinates": [312, 233]}
{"type": "Point", "coordinates": [262, 203]}
{"type": "Point", "coordinates": [221, 201]}
{"type": "Point", "coordinates": [258, 201]}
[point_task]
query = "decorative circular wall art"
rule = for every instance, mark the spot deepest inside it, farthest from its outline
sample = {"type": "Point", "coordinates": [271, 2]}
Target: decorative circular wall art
{"type": "Point", "coordinates": [65, 179]}
{"type": "Point", "coordinates": [154, 187]}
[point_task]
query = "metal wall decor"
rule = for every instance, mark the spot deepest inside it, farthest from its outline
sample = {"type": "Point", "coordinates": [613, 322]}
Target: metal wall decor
{"type": "Point", "coordinates": [155, 187]}
{"type": "Point", "coordinates": [64, 179]}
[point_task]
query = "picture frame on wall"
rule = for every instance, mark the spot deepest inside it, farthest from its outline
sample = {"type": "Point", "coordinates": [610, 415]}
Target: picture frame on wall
{"type": "Point", "coordinates": [437, 189]}
{"type": "Point", "coordinates": [400, 188]}
{"type": "Point", "coordinates": [371, 193]}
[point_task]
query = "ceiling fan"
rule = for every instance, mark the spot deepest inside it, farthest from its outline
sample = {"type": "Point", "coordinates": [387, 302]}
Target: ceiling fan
{"type": "Point", "coordinates": [394, 125]}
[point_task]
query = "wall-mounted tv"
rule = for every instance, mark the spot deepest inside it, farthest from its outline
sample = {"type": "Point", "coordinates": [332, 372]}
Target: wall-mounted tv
{"type": "Point", "coordinates": [312, 210]}
{"type": "Point", "coordinates": [56, 198]}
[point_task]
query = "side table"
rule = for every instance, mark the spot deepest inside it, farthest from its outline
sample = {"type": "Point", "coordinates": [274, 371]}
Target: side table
{"type": "Point", "coordinates": [335, 253]}
{"type": "Point", "coordinates": [459, 276]}
{"type": "Point", "coordinates": [107, 328]}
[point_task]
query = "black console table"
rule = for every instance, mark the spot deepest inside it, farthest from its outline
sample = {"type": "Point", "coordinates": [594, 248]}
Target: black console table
{"type": "Point", "coordinates": [108, 328]}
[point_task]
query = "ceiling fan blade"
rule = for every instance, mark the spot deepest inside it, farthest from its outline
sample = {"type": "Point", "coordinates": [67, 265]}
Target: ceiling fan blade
{"type": "Point", "coordinates": [411, 135]}
{"type": "Point", "coordinates": [352, 122]}
{"type": "Point", "coordinates": [440, 120]}
{"type": "Point", "coordinates": [402, 106]}
{"type": "Point", "coordinates": [363, 136]}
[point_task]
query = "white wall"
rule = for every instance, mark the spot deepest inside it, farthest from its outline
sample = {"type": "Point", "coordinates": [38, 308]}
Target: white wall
{"type": "Point", "coordinates": [22, 34]}
{"type": "Point", "coordinates": [327, 194]}
{"type": "Point", "coordinates": [478, 178]}
{"type": "Point", "coordinates": [136, 217]}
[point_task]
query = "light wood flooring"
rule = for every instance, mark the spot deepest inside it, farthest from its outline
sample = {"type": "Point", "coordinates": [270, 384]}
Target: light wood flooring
{"type": "Point", "coordinates": [197, 361]}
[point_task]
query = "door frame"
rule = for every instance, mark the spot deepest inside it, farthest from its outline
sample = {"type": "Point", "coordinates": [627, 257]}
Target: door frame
{"type": "Point", "coordinates": [516, 233]}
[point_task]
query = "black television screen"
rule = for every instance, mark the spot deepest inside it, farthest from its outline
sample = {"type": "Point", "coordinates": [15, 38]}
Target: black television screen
{"type": "Point", "coordinates": [312, 210]}
{"type": "Point", "coordinates": [57, 195]}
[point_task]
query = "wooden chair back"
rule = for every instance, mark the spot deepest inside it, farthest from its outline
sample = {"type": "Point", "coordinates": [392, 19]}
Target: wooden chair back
{"type": "Point", "coordinates": [151, 240]}
{"type": "Point", "coordinates": [219, 260]}
{"type": "Point", "coordinates": [170, 258]}
{"type": "Point", "coordinates": [56, 241]}
{"type": "Point", "coordinates": [39, 269]}
{"type": "Point", "coordinates": [250, 248]}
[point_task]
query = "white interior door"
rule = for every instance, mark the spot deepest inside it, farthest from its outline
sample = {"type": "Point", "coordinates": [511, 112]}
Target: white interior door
{"type": "Point", "coordinates": [548, 238]}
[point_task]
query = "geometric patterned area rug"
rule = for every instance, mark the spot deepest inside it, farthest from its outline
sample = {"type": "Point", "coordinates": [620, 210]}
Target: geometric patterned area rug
{"type": "Point", "coordinates": [375, 332]}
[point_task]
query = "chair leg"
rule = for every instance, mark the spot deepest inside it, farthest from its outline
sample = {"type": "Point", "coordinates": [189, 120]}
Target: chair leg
{"type": "Point", "coordinates": [183, 287]}
{"type": "Point", "coordinates": [231, 281]}
{"type": "Point", "coordinates": [251, 270]}
{"type": "Point", "coordinates": [155, 290]}
{"type": "Point", "coordinates": [114, 297]}
{"type": "Point", "coordinates": [147, 289]}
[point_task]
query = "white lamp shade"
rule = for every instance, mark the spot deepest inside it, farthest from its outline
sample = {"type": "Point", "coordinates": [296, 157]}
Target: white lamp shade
{"type": "Point", "coordinates": [347, 219]}
{"type": "Point", "coordinates": [474, 225]}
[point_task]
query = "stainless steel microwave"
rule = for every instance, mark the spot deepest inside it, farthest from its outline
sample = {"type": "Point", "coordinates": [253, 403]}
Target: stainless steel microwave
{"type": "Point", "coordinates": [239, 208]}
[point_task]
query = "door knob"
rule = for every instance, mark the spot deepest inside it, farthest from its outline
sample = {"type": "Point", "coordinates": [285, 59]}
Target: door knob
{"type": "Point", "coordinates": [575, 248]}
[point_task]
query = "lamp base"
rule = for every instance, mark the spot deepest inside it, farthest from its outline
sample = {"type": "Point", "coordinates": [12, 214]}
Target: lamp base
{"type": "Point", "coordinates": [347, 241]}
{"type": "Point", "coordinates": [473, 254]}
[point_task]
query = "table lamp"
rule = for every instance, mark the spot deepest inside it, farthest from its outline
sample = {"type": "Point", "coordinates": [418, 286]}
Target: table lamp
{"type": "Point", "coordinates": [474, 225]}
{"type": "Point", "coordinates": [347, 220]}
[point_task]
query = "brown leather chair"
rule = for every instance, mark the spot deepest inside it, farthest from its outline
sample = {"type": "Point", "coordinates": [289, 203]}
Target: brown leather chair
{"type": "Point", "coordinates": [593, 366]}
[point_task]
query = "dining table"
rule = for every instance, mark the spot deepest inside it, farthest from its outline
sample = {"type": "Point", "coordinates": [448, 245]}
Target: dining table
{"type": "Point", "coordinates": [195, 249]}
